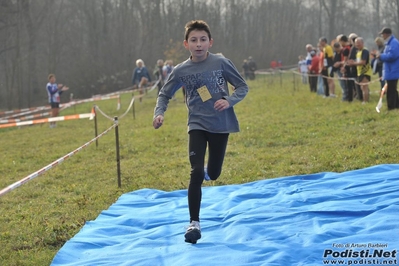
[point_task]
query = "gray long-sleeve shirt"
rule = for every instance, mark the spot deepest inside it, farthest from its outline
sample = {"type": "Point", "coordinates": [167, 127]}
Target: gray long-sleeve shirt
{"type": "Point", "coordinates": [215, 72]}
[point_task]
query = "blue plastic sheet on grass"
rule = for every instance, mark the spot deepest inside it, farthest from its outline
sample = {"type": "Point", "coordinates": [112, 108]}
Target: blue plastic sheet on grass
{"type": "Point", "coordinates": [318, 219]}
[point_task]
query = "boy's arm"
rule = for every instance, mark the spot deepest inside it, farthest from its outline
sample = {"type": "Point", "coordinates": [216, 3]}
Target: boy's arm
{"type": "Point", "coordinates": [234, 78]}
{"type": "Point", "coordinates": [166, 93]}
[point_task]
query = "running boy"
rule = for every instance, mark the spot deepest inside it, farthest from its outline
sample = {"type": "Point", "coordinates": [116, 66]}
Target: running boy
{"type": "Point", "coordinates": [211, 115]}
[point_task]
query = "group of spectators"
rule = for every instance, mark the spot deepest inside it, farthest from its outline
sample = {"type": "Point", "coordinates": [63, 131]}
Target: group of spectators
{"type": "Point", "coordinates": [141, 76]}
{"type": "Point", "coordinates": [249, 67]}
{"type": "Point", "coordinates": [162, 71]}
{"type": "Point", "coordinates": [354, 65]}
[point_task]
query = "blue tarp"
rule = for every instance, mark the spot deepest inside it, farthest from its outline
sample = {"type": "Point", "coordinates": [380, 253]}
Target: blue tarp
{"type": "Point", "coordinates": [318, 219]}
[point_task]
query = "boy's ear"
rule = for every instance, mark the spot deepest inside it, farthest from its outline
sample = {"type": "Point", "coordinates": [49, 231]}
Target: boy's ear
{"type": "Point", "coordinates": [210, 43]}
{"type": "Point", "coordinates": [185, 43]}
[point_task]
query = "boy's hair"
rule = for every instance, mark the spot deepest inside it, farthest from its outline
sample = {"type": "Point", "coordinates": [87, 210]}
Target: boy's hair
{"type": "Point", "coordinates": [196, 25]}
{"type": "Point", "coordinates": [50, 76]}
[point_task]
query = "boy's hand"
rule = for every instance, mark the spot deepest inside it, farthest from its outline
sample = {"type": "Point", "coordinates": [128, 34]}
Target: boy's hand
{"type": "Point", "coordinates": [65, 88]}
{"type": "Point", "coordinates": [221, 105]}
{"type": "Point", "coordinates": [157, 122]}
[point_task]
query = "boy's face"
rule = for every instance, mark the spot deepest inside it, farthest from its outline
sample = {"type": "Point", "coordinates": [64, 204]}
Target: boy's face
{"type": "Point", "coordinates": [198, 44]}
{"type": "Point", "coordinates": [52, 79]}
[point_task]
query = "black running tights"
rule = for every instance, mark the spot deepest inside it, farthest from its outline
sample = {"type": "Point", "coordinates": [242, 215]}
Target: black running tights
{"type": "Point", "coordinates": [197, 144]}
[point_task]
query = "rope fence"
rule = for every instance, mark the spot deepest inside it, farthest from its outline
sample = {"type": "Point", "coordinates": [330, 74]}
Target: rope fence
{"type": "Point", "coordinates": [131, 105]}
{"type": "Point", "coordinates": [279, 71]}
{"type": "Point", "coordinates": [93, 99]}
{"type": "Point", "coordinates": [133, 89]}
{"type": "Point", "coordinates": [91, 116]}
{"type": "Point", "coordinates": [124, 114]}
{"type": "Point", "coordinates": [53, 164]}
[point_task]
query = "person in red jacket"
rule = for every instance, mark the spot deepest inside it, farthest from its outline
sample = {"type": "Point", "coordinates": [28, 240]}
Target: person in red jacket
{"type": "Point", "coordinates": [314, 71]}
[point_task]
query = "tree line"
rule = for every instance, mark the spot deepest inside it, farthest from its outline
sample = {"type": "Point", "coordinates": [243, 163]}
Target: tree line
{"type": "Point", "coordinates": [92, 45]}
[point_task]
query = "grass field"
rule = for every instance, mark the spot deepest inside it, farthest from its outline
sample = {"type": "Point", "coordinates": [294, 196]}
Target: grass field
{"type": "Point", "coordinates": [285, 130]}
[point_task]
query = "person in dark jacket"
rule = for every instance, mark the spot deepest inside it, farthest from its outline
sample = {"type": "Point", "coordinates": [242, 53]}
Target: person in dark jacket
{"type": "Point", "coordinates": [252, 68]}
{"type": "Point", "coordinates": [141, 76]}
{"type": "Point", "coordinates": [159, 75]}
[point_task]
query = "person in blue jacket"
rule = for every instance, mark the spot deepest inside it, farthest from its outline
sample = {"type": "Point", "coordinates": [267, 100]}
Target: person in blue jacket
{"type": "Point", "coordinates": [390, 71]}
{"type": "Point", "coordinates": [54, 92]}
{"type": "Point", "coordinates": [141, 76]}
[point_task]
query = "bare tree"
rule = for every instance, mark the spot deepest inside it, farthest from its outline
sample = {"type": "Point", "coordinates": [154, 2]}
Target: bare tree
{"type": "Point", "coordinates": [33, 14]}
{"type": "Point", "coordinates": [92, 45]}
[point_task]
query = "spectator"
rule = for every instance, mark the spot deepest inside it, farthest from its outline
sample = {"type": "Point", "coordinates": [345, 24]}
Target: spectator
{"type": "Point", "coordinates": [345, 69]}
{"type": "Point", "coordinates": [313, 71]}
{"type": "Point", "coordinates": [326, 70]}
{"type": "Point", "coordinates": [252, 68]}
{"type": "Point", "coordinates": [362, 63]}
{"type": "Point", "coordinates": [54, 92]}
{"type": "Point", "coordinates": [303, 69]}
{"type": "Point", "coordinates": [167, 69]}
{"type": "Point", "coordinates": [273, 65]}
{"type": "Point", "coordinates": [338, 63]}
{"type": "Point", "coordinates": [377, 63]}
{"type": "Point", "coordinates": [357, 92]}
{"type": "Point", "coordinates": [390, 72]}
{"type": "Point", "coordinates": [158, 73]}
{"type": "Point", "coordinates": [141, 76]}
{"type": "Point", "coordinates": [309, 48]}
{"type": "Point", "coordinates": [320, 80]}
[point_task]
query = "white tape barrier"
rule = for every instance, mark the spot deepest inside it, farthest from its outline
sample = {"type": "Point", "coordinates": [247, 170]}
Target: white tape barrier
{"type": "Point", "coordinates": [51, 165]}
{"type": "Point", "coordinates": [21, 110]}
{"type": "Point", "coordinates": [46, 120]}
{"type": "Point", "coordinates": [27, 112]}
{"type": "Point", "coordinates": [7, 121]}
